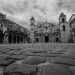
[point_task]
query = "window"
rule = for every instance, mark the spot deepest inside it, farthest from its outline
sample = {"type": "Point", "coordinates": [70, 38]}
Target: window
{"type": "Point", "coordinates": [57, 39]}
{"type": "Point", "coordinates": [63, 27]}
{"type": "Point", "coordinates": [56, 33]}
{"type": "Point", "coordinates": [37, 40]}
{"type": "Point", "coordinates": [63, 20]}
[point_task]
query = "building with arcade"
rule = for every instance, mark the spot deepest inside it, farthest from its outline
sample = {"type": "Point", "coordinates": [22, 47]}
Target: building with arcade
{"type": "Point", "coordinates": [11, 32]}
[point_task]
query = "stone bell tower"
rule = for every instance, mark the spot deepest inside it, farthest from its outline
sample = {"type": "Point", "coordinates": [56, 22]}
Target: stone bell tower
{"type": "Point", "coordinates": [64, 28]}
{"type": "Point", "coordinates": [32, 28]}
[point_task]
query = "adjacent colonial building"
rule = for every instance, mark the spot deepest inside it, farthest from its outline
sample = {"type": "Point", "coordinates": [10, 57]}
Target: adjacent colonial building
{"type": "Point", "coordinates": [72, 26]}
{"type": "Point", "coordinates": [11, 32]}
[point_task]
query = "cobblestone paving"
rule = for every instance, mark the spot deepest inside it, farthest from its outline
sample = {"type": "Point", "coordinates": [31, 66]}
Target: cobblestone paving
{"type": "Point", "coordinates": [53, 59]}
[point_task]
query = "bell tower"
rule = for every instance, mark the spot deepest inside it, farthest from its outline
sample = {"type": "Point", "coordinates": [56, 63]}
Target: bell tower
{"type": "Point", "coordinates": [64, 28]}
{"type": "Point", "coordinates": [32, 28]}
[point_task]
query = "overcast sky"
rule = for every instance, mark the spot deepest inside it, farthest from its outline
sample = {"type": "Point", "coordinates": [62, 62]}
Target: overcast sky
{"type": "Point", "coordinates": [21, 10]}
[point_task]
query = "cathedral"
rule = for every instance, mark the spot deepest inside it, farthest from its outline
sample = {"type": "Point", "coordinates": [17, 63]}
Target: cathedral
{"type": "Point", "coordinates": [44, 32]}
{"type": "Point", "coordinates": [63, 32]}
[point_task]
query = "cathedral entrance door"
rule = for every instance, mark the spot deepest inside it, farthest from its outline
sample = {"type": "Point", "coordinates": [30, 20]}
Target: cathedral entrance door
{"type": "Point", "coordinates": [57, 39]}
{"type": "Point", "coordinates": [47, 38]}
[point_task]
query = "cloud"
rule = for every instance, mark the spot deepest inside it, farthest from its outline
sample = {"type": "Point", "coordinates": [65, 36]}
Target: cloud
{"type": "Point", "coordinates": [14, 6]}
{"type": "Point", "coordinates": [21, 10]}
{"type": "Point", "coordinates": [68, 6]}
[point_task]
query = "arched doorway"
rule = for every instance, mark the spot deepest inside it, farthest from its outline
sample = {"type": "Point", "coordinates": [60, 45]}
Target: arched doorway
{"type": "Point", "coordinates": [37, 39]}
{"type": "Point", "coordinates": [57, 39]}
{"type": "Point", "coordinates": [47, 38]}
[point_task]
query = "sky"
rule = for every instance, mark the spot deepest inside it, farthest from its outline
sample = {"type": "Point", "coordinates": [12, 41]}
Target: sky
{"type": "Point", "coordinates": [21, 11]}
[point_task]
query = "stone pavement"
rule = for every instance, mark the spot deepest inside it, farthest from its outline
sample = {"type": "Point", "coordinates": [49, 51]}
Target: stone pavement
{"type": "Point", "coordinates": [60, 57]}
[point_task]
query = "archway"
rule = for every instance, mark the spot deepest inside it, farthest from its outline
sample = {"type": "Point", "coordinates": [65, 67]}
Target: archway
{"type": "Point", "coordinates": [57, 39]}
{"type": "Point", "coordinates": [37, 39]}
{"type": "Point", "coordinates": [46, 38]}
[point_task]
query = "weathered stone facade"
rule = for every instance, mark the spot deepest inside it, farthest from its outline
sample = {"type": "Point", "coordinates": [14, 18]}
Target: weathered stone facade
{"type": "Point", "coordinates": [64, 32]}
{"type": "Point", "coordinates": [43, 32]}
{"type": "Point", "coordinates": [10, 32]}
{"type": "Point", "coordinates": [64, 28]}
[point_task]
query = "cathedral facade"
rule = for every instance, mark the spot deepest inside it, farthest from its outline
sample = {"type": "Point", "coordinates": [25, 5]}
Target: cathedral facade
{"type": "Point", "coordinates": [63, 32]}
{"type": "Point", "coordinates": [44, 32]}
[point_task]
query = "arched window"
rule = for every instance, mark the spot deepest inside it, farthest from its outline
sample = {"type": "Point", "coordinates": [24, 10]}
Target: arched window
{"type": "Point", "coordinates": [57, 39]}
{"type": "Point", "coordinates": [37, 40]}
{"type": "Point", "coordinates": [63, 20]}
{"type": "Point", "coordinates": [63, 27]}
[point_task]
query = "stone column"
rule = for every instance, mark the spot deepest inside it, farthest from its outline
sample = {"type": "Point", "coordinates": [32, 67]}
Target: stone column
{"type": "Point", "coordinates": [43, 37]}
{"type": "Point", "coordinates": [19, 38]}
{"type": "Point", "coordinates": [49, 36]}
{"type": "Point", "coordinates": [32, 37]}
{"type": "Point", "coordinates": [5, 38]}
{"type": "Point", "coordinates": [16, 39]}
{"type": "Point", "coordinates": [73, 36]}
{"type": "Point", "coordinates": [23, 39]}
